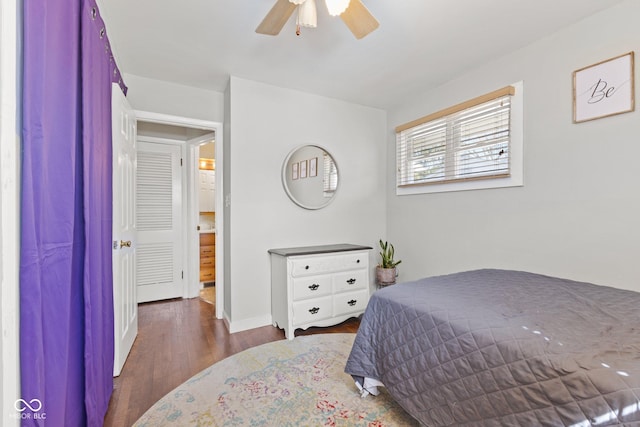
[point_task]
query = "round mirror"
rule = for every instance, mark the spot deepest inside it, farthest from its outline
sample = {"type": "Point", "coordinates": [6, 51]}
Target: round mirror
{"type": "Point", "coordinates": [310, 177]}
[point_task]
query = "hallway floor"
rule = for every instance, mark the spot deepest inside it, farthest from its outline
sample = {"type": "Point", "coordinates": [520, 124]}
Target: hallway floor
{"type": "Point", "coordinates": [208, 294]}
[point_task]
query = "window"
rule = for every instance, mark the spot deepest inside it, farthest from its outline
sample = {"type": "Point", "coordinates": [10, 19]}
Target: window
{"type": "Point", "coordinates": [464, 146]}
{"type": "Point", "coordinates": [330, 176]}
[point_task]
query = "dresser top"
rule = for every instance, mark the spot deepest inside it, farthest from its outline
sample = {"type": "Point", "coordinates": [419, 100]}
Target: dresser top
{"type": "Point", "coordinates": [323, 249]}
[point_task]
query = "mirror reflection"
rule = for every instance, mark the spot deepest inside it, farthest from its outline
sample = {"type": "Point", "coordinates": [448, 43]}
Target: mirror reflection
{"type": "Point", "coordinates": [310, 177]}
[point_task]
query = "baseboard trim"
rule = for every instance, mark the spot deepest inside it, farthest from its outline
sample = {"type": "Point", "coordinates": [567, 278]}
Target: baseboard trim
{"type": "Point", "coordinates": [246, 324]}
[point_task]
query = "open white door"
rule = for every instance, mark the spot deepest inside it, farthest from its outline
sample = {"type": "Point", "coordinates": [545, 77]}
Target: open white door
{"type": "Point", "coordinates": [125, 302]}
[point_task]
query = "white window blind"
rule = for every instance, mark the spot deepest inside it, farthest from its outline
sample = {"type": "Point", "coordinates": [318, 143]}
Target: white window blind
{"type": "Point", "coordinates": [469, 141]}
{"type": "Point", "coordinates": [330, 176]}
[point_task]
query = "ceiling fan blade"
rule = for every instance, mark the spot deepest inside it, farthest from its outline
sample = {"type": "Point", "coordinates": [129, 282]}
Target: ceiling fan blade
{"type": "Point", "coordinates": [276, 18]}
{"type": "Point", "coordinates": [359, 20]}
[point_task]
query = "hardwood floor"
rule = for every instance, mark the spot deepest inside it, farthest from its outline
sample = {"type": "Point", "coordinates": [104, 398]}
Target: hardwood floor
{"type": "Point", "coordinates": [176, 340]}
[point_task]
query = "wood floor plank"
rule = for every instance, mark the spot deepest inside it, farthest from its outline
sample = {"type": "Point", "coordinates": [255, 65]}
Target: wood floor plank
{"type": "Point", "coordinates": [176, 340]}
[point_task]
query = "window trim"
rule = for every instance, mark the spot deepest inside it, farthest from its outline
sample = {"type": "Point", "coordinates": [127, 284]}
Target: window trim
{"type": "Point", "coordinates": [514, 179]}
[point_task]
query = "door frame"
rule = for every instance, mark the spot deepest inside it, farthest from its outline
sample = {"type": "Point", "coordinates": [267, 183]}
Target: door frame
{"type": "Point", "coordinates": [190, 208]}
{"type": "Point", "coordinates": [10, 136]}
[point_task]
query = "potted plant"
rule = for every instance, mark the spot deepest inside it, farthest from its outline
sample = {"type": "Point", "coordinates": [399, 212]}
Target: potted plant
{"type": "Point", "coordinates": [386, 271]}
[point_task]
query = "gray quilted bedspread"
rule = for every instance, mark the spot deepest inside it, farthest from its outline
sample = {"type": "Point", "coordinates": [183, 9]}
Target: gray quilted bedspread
{"type": "Point", "coordinates": [504, 348]}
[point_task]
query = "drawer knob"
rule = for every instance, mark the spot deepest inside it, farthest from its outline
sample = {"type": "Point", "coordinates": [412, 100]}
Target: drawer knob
{"type": "Point", "coordinates": [352, 302]}
{"type": "Point", "coordinates": [306, 267]}
{"type": "Point", "coordinates": [314, 287]}
{"type": "Point", "coordinates": [358, 261]}
{"type": "Point", "coordinates": [314, 310]}
{"type": "Point", "coordinates": [351, 281]}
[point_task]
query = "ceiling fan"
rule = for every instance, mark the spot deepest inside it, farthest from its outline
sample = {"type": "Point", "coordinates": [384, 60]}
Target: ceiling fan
{"type": "Point", "coordinates": [353, 12]}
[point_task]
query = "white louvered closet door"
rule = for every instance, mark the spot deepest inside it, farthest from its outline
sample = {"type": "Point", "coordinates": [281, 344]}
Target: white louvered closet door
{"type": "Point", "coordinates": [158, 220]}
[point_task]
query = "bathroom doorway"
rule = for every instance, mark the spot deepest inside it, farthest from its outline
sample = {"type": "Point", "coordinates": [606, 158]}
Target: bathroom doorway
{"type": "Point", "coordinates": [207, 220]}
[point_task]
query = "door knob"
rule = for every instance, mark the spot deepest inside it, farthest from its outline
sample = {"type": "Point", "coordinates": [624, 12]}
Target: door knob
{"type": "Point", "coordinates": [123, 244]}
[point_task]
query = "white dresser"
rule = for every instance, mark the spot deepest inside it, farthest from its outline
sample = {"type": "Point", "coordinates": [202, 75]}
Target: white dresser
{"type": "Point", "coordinates": [318, 285]}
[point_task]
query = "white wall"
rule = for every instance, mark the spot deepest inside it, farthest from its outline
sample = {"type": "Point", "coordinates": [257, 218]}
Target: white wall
{"type": "Point", "coordinates": [157, 96]}
{"type": "Point", "coordinates": [578, 212]}
{"type": "Point", "coordinates": [266, 123]}
{"type": "Point", "coordinates": [9, 211]}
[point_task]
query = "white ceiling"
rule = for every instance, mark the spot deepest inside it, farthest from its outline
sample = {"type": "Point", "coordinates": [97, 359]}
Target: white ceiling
{"type": "Point", "coordinates": [419, 44]}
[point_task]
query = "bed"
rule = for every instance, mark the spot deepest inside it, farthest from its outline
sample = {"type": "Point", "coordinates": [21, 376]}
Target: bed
{"type": "Point", "coordinates": [503, 348]}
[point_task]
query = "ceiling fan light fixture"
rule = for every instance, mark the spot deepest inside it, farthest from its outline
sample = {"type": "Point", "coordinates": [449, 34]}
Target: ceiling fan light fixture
{"type": "Point", "coordinates": [307, 14]}
{"type": "Point", "coordinates": [336, 7]}
{"type": "Point", "coordinates": [353, 13]}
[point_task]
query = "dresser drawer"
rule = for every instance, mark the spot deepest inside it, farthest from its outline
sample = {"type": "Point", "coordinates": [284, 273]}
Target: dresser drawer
{"type": "Point", "coordinates": [209, 261]}
{"type": "Point", "coordinates": [350, 302]}
{"type": "Point", "coordinates": [311, 287]}
{"type": "Point", "coordinates": [350, 280]}
{"type": "Point", "coordinates": [306, 266]}
{"type": "Point", "coordinates": [207, 274]}
{"type": "Point", "coordinates": [207, 239]}
{"type": "Point", "coordinates": [312, 310]}
{"type": "Point", "coordinates": [207, 251]}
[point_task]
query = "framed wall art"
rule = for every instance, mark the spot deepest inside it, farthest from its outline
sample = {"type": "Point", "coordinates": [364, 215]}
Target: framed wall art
{"type": "Point", "coordinates": [303, 168]}
{"type": "Point", "coordinates": [294, 170]}
{"type": "Point", "coordinates": [604, 89]}
{"type": "Point", "coordinates": [313, 167]}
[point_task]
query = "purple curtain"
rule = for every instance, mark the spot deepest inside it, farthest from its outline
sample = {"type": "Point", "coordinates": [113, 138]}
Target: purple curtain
{"type": "Point", "coordinates": [66, 300]}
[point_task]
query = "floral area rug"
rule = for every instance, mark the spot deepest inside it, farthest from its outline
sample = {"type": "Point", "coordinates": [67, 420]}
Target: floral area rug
{"type": "Point", "coordinates": [283, 383]}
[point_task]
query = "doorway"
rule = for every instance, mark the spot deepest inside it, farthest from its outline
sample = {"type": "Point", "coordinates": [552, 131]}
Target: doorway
{"type": "Point", "coordinates": [207, 219]}
{"type": "Point", "coordinates": [190, 135]}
